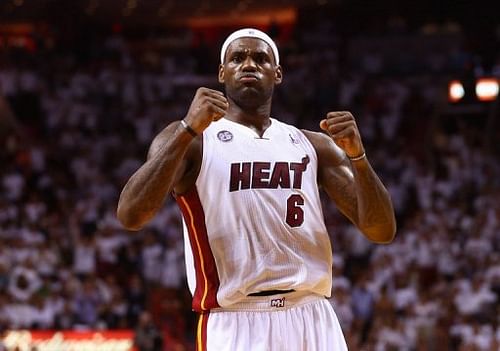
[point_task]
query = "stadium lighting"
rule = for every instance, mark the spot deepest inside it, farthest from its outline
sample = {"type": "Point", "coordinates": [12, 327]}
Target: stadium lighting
{"type": "Point", "coordinates": [455, 91]}
{"type": "Point", "coordinates": [487, 89]}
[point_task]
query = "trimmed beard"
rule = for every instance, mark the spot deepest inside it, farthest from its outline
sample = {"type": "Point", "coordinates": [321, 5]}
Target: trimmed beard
{"type": "Point", "coordinates": [250, 98]}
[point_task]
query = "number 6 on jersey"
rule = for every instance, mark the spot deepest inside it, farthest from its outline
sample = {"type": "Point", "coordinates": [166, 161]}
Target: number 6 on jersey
{"type": "Point", "coordinates": [294, 213]}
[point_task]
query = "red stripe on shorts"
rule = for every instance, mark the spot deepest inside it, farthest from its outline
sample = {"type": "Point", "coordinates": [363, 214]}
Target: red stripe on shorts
{"type": "Point", "coordinates": [201, 334]}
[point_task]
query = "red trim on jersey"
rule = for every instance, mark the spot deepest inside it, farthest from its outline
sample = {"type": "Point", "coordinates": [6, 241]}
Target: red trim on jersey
{"type": "Point", "coordinates": [207, 278]}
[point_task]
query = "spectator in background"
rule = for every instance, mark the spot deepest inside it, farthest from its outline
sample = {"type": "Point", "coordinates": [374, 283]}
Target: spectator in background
{"type": "Point", "coordinates": [84, 256]}
{"type": "Point", "coordinates": [24, 282]}
{"type": "Point", "coordinates": [136, 298]}
{"type": "Point", "coordinates": [147, 337]}
{"type": "Point", "coordinates": [87, 302]}
{"type": "Point", "coordinates": [66, 318]}
{"type": "Point", "coordinates": [363, 306]}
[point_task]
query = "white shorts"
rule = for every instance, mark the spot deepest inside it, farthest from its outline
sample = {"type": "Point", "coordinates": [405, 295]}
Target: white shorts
{"type": "Point", "coordinates": [291, 322]}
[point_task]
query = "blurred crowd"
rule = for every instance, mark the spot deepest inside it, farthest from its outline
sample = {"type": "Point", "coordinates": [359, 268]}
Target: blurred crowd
{"type": "Point", "coordinates": [77, 122]}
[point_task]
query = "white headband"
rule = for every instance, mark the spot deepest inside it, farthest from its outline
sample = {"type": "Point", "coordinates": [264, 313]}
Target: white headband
{"type": "Point", "coordinates": [249, 33]}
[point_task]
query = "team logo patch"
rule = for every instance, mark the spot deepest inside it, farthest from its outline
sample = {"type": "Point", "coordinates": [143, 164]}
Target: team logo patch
{"type": "Point", "coordinates": [278, 302]}
{"type": "Point", "coordinates": [293, 140]}
{"type": "Point", "coordinates": [225, 136]}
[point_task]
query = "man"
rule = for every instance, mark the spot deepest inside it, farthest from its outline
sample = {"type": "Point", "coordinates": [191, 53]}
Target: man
{"type": "Point", "coordinates": [257, 250]}
{"type": "Point", "coordinates": [146, 336]}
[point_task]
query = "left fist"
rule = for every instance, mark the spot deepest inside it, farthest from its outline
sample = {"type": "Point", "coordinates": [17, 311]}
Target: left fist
{"type": "Point", "coordinates": [342, 128]}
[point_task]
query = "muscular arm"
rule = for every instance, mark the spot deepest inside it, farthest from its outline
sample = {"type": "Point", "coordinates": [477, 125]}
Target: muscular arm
{"type": "Point", "coordinates": [355, 188]}
{"type": "Point", "coordinates": [172, 162]}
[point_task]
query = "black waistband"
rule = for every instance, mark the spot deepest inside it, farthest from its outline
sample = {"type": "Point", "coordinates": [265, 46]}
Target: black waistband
{"type": "Point", "coordinates": [271, 292]}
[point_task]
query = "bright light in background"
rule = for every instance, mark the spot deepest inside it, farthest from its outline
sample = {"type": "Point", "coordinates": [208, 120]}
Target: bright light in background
{"type": "Point", "coordinates": [486, 89]}
{"type": "Point", "coordinates": [455, 91]}
{"type": "Point", "coordinates": [131, 4]}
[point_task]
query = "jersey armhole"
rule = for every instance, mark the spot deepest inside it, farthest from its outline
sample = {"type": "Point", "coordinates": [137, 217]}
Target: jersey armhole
{"type": "Point", "coordinates": [194, 171]}
{"type": "Point", "coordinates": [313, 149]}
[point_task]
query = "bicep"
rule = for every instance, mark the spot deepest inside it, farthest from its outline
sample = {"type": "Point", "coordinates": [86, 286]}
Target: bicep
{"type": "Point", "coordinates": [335, 174]}
{"type": "Point", "coordinates": [338, 183]}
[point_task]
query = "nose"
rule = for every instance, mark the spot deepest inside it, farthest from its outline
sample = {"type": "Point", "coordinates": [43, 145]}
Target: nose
{"type": "Point", "coordinates": [248, 64]}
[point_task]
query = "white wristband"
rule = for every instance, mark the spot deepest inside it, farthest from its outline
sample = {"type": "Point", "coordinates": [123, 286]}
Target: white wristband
{"type": "Point", "coordinates": [357, 158]}
{"type": "Point", "coordinates": [188, 128]}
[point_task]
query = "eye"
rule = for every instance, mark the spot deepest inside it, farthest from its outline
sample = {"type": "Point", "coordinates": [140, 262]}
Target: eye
{"type": "Point", "coordinates": [261, 58]}
{"type": "Point", "coordinates": [237, 58]}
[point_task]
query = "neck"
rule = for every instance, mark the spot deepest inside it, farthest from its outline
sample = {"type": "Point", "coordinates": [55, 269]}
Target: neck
{"type": "Point", "coordinates": [256, 118]}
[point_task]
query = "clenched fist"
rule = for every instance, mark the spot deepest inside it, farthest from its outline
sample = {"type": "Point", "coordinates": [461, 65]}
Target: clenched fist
{"type": "Point", "coordinates": [208, 105]}
{"type": "Point", "coordinates": [342, 128]}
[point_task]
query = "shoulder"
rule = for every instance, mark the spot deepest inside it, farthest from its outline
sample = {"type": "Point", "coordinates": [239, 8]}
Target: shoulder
{"type": "Point", "coordinates": [325, 147]}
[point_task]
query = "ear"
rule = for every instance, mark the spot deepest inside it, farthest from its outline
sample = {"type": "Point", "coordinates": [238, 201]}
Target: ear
{"type": "Point", "coordinates": [221, 73]}
{"type": "Point", "coordinates": [278, 75]}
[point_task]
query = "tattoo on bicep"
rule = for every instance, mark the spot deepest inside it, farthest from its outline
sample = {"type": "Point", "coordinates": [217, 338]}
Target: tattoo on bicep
{"type": "Point", "coordinates": [347, 201]}
{"type": "Point", "coordinates": [341, 190]}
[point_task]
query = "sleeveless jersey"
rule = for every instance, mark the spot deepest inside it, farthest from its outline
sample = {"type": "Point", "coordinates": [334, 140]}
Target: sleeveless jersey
{"type": "Point", "coordinates": [253, 221]}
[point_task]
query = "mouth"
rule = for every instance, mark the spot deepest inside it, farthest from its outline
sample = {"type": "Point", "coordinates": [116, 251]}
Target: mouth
{"type": "Point", "coordinates": [248, 78]}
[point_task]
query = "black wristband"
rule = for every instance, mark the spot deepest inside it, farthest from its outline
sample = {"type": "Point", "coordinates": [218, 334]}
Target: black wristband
{"type": "Point", "coordinates": [188, 128]}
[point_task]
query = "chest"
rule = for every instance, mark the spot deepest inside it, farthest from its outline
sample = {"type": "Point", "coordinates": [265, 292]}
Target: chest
{"type": "Point", "coordinates": [245, 161]}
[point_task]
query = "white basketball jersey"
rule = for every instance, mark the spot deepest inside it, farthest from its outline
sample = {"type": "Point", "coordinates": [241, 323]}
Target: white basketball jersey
{"type": "Point", "coordinates": [253, 222]}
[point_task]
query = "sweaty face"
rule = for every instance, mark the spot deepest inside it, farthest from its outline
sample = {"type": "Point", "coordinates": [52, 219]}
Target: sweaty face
{"type": "Point", "coordinates": [249, 72]}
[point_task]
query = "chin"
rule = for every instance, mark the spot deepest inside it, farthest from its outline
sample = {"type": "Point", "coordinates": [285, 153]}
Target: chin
{"type": "Point", "coordinates": [250, 96]}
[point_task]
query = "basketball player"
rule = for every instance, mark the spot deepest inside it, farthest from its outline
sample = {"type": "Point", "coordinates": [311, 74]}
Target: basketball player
{"type": "Point", "coordinates": [258, 255]}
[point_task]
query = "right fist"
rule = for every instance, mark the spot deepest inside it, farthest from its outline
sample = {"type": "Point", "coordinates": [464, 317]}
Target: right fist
{"type": "Point", "coordinates": [208, 105]}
